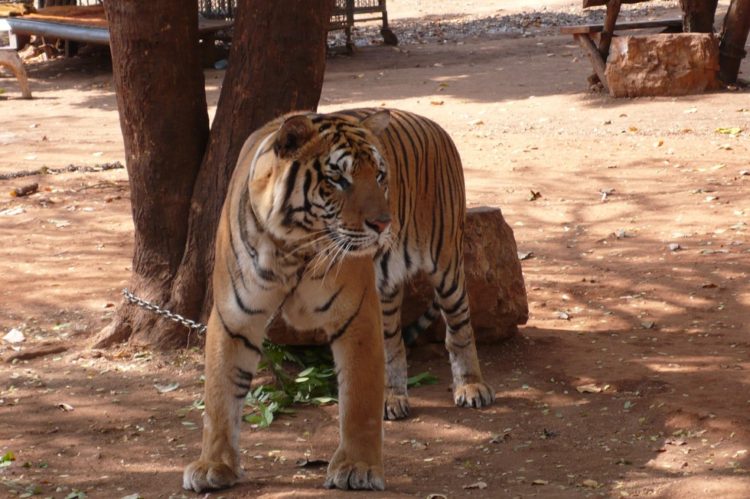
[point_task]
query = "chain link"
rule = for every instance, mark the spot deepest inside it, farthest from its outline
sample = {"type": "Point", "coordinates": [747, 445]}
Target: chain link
{"type": "Point", "coordinates": [188, 323]}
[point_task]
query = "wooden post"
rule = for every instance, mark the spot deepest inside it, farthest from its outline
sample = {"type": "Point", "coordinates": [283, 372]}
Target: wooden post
{"type": "Point", "coordinates": [733, 38]}
{"type": "Point", "coordinates": [605, 39]}
{"type": "Point", "coordinates": [698, 15]}
{"type": "Point", "coordinates": [596, 60]}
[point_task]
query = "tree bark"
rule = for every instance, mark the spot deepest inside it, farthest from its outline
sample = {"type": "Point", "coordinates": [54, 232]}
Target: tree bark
{"type": "Point", "coordinates": [698, 15]}
{"type": "Point", "coordinates": [733, 39]}
{"type": "Point", "coordinates": [276, 65]}
{"type": "Point", "coordinates": [277, 62]}
{"type": "Point", "coordinates": [162, 103]}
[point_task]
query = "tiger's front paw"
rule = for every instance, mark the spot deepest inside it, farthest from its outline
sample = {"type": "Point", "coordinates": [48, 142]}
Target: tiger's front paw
{"type": "Point", "coordinates": [205, 475]}
{"type": "Point", "coordinates": [349, 474]}
{"type": "Point", "coordinates": [474, 395]}
{"type": "Point", "coordinates": [396, 406]}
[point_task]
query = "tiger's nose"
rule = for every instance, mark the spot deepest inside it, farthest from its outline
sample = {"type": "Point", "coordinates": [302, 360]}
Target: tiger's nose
{"type": "Point", "coordinates": [379, 224]}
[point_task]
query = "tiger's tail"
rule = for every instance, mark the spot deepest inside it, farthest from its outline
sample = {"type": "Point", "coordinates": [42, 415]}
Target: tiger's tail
{"type": "Point", "coordinates": [419, 326]}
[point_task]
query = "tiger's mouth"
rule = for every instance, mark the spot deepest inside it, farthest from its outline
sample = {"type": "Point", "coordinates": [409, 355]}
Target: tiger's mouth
{"type": "Point", "coordinates": [355, 243]}
{"type": "Point", "coordinates": [342, 242]}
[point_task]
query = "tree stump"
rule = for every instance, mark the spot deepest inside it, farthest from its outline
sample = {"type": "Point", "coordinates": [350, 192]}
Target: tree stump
{"type": "Point", "coordinates": [497, 294]}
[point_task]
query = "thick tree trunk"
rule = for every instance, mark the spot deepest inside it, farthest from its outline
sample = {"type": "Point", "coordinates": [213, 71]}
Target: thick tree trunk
{"type": "Point", "coordinates": [276, 65]}
{"type": "Point", "coordinates": [277, 62]}
{"type": "Point", "coordinates": [698, 15]}
{"type": "Point", "coordinates": [733, 39]}
{"type": "Point", "coordinates": [164, 121]}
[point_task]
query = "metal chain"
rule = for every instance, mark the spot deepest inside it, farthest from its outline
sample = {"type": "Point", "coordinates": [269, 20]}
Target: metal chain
{"type": "Point", "coordinates": [188, 323]}
{"type": "Point", "coordinates": [45, 170]}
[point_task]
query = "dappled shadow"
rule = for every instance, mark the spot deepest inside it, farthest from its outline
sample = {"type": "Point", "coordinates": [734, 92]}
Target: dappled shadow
{"type": "Point", "coordinates": [630, 377]}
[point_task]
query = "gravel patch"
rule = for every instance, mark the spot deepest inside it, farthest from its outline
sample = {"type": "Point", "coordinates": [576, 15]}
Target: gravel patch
{"type": "Point", "coordinates": [455, 28]}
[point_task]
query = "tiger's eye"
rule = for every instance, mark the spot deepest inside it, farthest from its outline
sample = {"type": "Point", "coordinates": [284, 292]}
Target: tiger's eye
{"type": "Point", "coordinates": [339, 182]}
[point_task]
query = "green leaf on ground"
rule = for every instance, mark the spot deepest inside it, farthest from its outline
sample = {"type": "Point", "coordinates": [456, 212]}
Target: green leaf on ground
{"type": "Point", "coordinates": [421, 379]}
{"type": "Point", "coordinates": [7, 458]}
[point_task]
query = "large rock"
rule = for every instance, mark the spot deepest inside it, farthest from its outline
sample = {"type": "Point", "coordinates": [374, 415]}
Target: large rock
{"type": "Point", "coordinates": [663, 64]}
{"type": "Point", "coordinates": [497, 294]}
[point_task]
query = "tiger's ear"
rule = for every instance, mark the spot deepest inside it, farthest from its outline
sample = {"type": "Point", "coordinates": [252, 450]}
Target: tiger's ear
{"type": "Point", "coordinates": [378, 122]}
{"type": "Point", "coordinates": [293, 134]}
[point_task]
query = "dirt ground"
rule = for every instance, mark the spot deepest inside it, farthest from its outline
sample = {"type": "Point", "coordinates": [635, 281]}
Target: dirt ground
{"type": "Point", "coordinates": [629, 380]}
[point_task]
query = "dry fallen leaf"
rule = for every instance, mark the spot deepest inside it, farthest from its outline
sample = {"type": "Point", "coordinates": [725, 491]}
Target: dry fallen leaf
{"type": "Point", "coordinates": [622, 234]}
{"type": "Point", "coordinates": [311, 463]}
{"type": "Point", "coordinates": [166, 388]}
{"type": "Point", "coordinates": [562, 315]}
{"type": "Point", "coordinates": [732, 130]}
{"type": "Point", "coordinates": [500, 438]}
{"type": "Point", "coordinates": [525, 255]}
{"type": "Point", "coordinates": [589, 388]}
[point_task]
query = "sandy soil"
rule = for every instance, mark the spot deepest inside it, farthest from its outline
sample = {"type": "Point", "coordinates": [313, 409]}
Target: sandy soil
{"type": "Point", "coordinates": [628, 381]}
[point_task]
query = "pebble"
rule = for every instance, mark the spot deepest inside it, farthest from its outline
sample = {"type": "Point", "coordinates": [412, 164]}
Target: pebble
{"type": "Point", "coordinates": [533, 22]}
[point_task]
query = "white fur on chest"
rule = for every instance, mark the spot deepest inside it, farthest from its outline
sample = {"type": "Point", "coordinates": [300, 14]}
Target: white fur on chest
{"type": "Point", "coordinates": [309, 306]}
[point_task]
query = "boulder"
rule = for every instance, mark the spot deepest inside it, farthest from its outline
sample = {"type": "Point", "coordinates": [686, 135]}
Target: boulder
{"type": "Point", "coordinates": [497, 294]}
{"type": "Point", "coordinates": [663, 64]}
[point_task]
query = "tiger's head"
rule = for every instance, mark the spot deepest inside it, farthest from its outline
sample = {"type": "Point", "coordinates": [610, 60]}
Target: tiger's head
{"type": "Point", "coordinates": [321, 181]}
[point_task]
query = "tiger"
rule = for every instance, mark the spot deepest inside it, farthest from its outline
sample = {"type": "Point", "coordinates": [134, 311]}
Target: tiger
{"type": "Point", "coordinates": [326, 218]}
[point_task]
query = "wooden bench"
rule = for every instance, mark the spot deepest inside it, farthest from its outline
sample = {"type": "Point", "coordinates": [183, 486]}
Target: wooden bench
{"type": "Point", "coordinates": [588, 35]}
{"type": "Point", "coordinates": [85, 24]}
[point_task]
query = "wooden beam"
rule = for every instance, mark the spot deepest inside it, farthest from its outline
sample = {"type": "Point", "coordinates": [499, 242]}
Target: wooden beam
{"type": "Point", "coordinates": [613, 10]}
{"type": "Point", "coordinates": [596, 28]}
{"type": "Point", "coordinates": [596, 58]}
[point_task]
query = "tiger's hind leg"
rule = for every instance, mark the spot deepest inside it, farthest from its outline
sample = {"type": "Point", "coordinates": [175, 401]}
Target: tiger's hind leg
{"type": "Point", "coordinates": [396, 399]}
{"type": "Point", "coordinates": [469, 388]}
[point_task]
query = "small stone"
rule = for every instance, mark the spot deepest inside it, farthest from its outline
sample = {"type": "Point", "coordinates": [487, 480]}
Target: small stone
{"type": "Point", "coordinates": [592, 484]}
{"type": "Point", "coordinates": [14, 336]}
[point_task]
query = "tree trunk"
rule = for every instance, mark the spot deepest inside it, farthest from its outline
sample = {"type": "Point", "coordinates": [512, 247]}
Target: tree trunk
{"type": "Point", "coordinates": [162, 103]}
{"type": "Point", "coordinates": [276, 65]}
{"type": "Point", "coordinates": [698, 15]}
{"type": "Point", "coordinates": [733, 39]}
